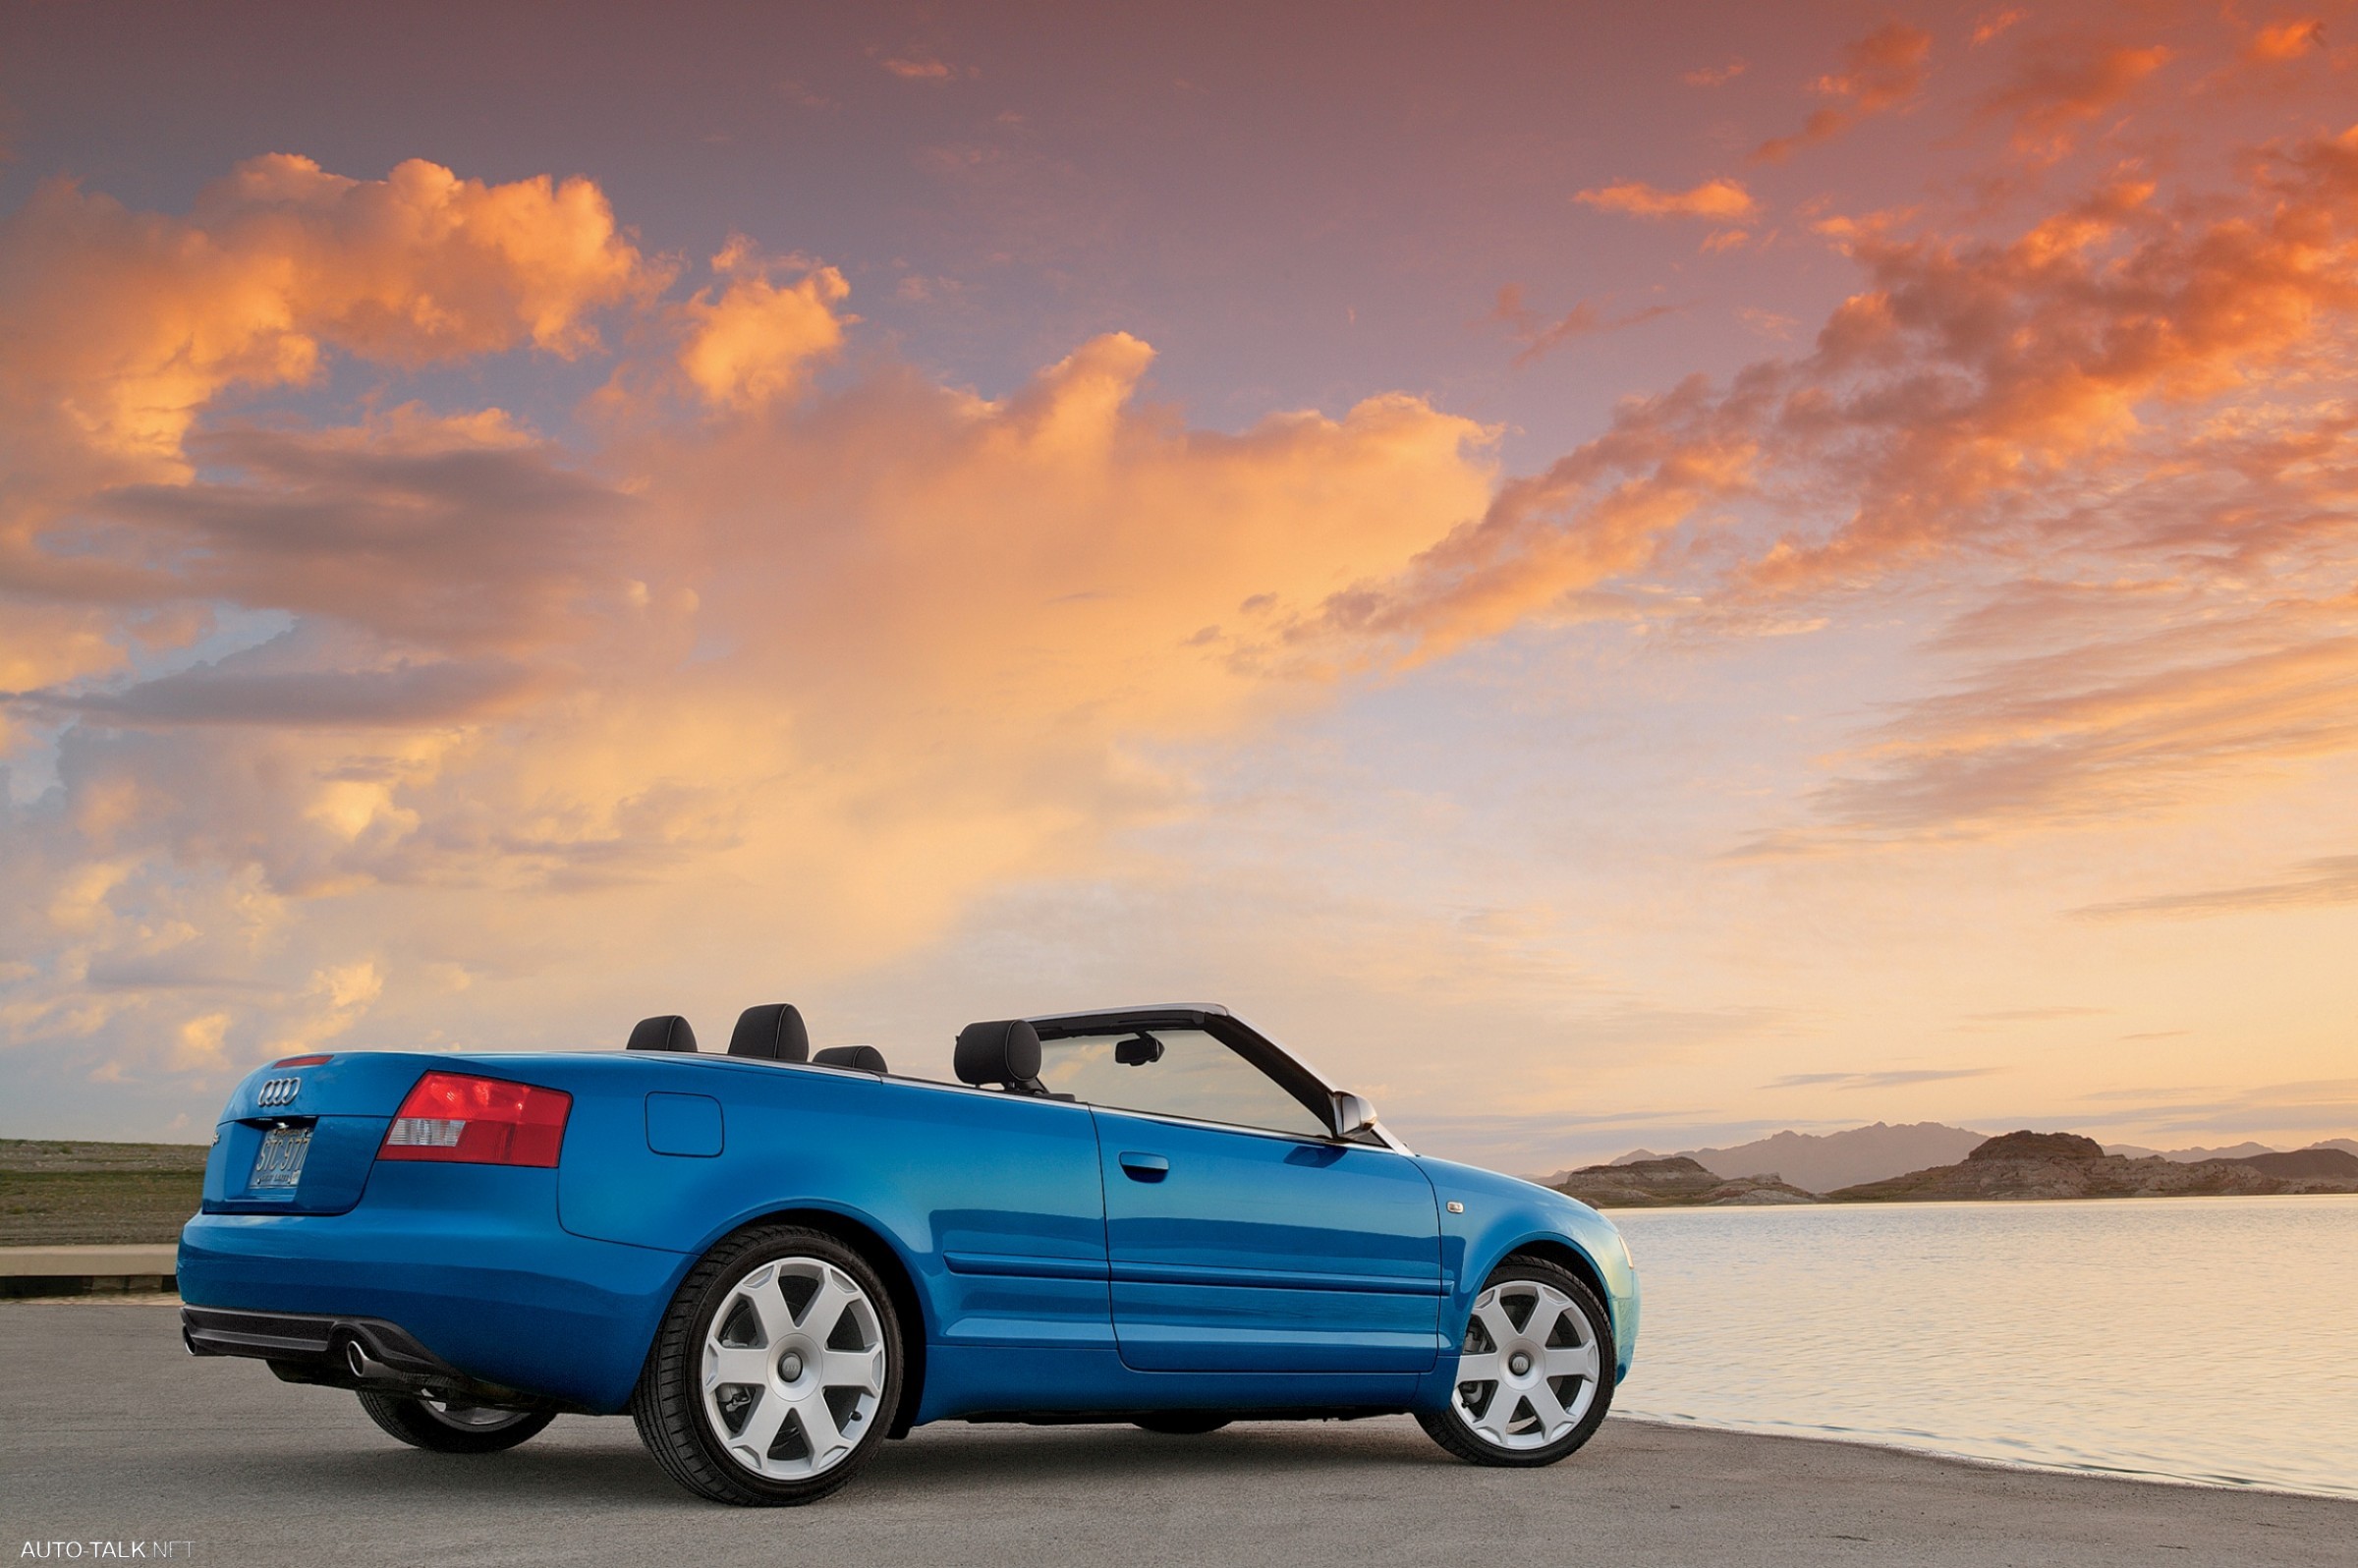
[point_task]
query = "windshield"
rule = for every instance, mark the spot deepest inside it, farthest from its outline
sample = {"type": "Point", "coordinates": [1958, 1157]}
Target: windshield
{"type": "Point", "coordinates": [1172, 1071]}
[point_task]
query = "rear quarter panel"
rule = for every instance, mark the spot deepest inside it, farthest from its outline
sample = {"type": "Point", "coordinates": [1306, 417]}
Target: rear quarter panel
{"type": "Point", "coordinates": [993, 1202]}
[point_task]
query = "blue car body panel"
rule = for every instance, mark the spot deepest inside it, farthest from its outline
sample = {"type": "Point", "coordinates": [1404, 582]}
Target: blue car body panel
{"type": "Point", "coordinates": [1239, 1251]}
{"type": "Point", "coordinates": [1050, 1265]}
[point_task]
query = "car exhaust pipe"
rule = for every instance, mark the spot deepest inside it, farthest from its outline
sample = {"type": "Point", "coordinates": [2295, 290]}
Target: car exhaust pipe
{"type": "Point", "coordinates": [365, 1367]}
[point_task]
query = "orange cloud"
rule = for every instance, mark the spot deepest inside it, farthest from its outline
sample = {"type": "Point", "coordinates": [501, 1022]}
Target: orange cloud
{"type": "Point", "coordinates": [1882, 72]}
{"type": "Point", "coordinates": [124, 325]}
{"type": "Point", "coordinates": [1715, 75]}
{"type": "Point", "coordinates": [755, 340]}
{"type": "Point", "coordinates": [1990, 25]}
{"type": "Point", "coordinates": [1723, 199]}
{"type": "Point", "coordinates": [2000, 366]}
{"type": "Point", "coordinates": [1598, 512]}
{"type": "Point", "coordinates": [925, 68]}
{"type": "Point", "coordinates": [2285, 40]}
{"type": "Point", "coordinates": [2062, 82]}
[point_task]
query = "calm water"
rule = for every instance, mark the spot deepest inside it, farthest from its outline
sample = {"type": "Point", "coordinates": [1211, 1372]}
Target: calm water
{"type": "Point", "coordinates": [2205, 1339]}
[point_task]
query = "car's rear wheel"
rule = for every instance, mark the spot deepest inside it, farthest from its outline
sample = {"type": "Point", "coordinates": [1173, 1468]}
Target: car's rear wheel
{"type": "Point", "coordinates": [452, 1425]}
{"type": "Point", "coordinates": [775, 1370]}
{"type": "Point", "coordinates": [1534, 1376]}
{"type": "Point", "coordinates": [1183, 1423]}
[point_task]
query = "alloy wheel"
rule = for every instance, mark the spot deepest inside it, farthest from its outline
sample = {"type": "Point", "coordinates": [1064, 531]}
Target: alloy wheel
{"type": "Point", "coordinates": [793, 1369]}
{"type": "Point", "coordinates": [1530, 1367]}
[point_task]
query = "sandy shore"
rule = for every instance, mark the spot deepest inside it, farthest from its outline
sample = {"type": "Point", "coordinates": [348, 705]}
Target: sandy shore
{"type": "Point", "coordinates": [112, 1433]}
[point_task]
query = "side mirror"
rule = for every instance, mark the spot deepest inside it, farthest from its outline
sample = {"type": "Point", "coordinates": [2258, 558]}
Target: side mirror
{"type": "Point", "coordinates": [1351, 1114]}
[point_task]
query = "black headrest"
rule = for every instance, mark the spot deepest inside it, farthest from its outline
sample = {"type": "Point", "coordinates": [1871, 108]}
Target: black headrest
{"type": "Point", "coordinates": [867, 1059]}
{"type": "Point", "coordinates": [1005, 1051]}
{"type": "Point", "coordinates": [773, 1032]}
{"type": "Point", "coordinates": [669, 1033]}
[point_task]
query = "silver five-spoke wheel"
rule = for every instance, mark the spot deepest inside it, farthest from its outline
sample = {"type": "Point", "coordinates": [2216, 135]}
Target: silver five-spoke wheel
{"type": "Point", "coordinates": [1535, 1371]}
{"type": "Point", "coordinates": [793, 1368]}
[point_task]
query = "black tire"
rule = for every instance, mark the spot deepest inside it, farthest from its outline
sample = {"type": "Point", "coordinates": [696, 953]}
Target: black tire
{"type": "Point", "coordinates": [1183, 1423]}
{"type": "Point", "coordinates": [453, 1427]}
{"type": "Point", "coordinates": [689, 1436]}
{"type": "Point", "coordinates": [1461, 1429]}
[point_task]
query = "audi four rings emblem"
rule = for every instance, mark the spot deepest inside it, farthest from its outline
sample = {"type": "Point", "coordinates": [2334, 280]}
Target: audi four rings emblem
{"type": "Point", "coordinates": [278, 1092]}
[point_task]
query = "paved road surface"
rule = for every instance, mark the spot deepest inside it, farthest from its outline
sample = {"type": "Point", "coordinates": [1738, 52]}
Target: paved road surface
{"type": "Point", "coordinates": [108, 1431]}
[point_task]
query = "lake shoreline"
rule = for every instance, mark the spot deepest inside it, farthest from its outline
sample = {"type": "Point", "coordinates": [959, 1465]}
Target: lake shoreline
{"type": "Point", "coordinates": [1950, 1456]}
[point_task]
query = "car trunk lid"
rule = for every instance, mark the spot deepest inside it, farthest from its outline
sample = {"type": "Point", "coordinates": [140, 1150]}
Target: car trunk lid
{"type": "Point", "coordinates": [299, 1136]}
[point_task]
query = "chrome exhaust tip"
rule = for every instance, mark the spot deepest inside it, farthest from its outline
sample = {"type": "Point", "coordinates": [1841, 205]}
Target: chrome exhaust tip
{"type": "Point", "coordinates": [365, 1367]}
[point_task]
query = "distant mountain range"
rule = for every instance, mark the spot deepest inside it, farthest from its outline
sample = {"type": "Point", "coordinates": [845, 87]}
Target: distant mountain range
{"type": "Point", "coordinates": [2028, 1164]}
{"type": "Point", "coordinates": [2016, 1165]}
{"type": "Point", "coordinates": [1821, 1162]}
{"type": "Point", "coordinates": [2242, 1150]}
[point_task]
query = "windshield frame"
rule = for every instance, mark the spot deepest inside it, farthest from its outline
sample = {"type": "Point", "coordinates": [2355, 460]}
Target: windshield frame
{"type": "Point", "coordinates": [1289, 1072]}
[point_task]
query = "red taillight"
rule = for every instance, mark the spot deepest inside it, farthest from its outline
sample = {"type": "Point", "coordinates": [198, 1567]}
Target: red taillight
{"type": "Point", "coordinates": [477, 1121]}
{"type": "Point", "coordinates": [301, 1061]}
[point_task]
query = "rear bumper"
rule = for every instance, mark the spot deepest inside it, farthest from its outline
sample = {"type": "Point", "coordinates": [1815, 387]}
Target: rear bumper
{"type": "Point", "coordinates": [465, 1264]}
{"type": "Point", "coordinates": [341, 1353]}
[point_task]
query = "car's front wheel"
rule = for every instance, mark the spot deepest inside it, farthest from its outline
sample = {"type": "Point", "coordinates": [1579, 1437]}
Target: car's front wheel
{"type": "Point", "coordinates": [774, 1372]}
{"type": "Point", "coordinates": [1534, 1376]}
{"type": "Point", "coordinates": [452, 1425]}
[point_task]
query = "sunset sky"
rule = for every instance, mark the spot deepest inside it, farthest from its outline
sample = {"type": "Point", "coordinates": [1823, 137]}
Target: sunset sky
{"type": "Point", "coordinates": [1613, 575]}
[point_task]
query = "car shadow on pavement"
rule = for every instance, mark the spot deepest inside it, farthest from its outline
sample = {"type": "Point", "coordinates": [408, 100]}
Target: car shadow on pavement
{"type": "Point", "coordinates": [1054, 1457]}
{"type": "Point", "coordinates": [1009, 1460]}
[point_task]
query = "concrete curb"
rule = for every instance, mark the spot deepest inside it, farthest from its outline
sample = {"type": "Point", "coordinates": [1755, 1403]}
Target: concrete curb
{"type": "Point", "coordinates": [86, 1270]}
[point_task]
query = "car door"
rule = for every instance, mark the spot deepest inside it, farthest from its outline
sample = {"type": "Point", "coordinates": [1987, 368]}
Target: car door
{"type": "Point", "coordinates": [1239, 1236]}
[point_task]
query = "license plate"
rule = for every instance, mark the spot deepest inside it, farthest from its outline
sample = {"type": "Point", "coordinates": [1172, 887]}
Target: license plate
{"type": "Point", "coordinates": [279, 1165]}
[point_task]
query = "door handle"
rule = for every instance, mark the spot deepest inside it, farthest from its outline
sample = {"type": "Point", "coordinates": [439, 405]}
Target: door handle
{"type": "Point", "coordinates": [1144, 1168]}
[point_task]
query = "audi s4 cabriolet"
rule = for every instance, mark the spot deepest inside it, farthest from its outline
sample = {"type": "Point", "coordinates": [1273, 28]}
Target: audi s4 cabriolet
{"type": "Point", "coordinates": [775, 1261]}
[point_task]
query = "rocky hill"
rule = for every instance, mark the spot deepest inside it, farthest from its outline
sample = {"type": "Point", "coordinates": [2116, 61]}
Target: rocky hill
{"type": "Point", "coordinates": [2028, 1166]}
{"type": "Point", "coordinates": [1671, 1182]}
{"type": "Point", "coordinates": [1820, 1163]}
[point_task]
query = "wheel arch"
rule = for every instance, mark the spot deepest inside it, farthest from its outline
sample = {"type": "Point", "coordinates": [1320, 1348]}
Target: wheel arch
{"type": "Point", "coordinates": [899, 1283]}
{"type": "Point", "coordinates": [1554, 1250]}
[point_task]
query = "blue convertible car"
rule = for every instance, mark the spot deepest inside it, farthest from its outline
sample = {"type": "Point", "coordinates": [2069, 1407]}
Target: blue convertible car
{"type": "Point", "coordinates": [774, 1261]}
